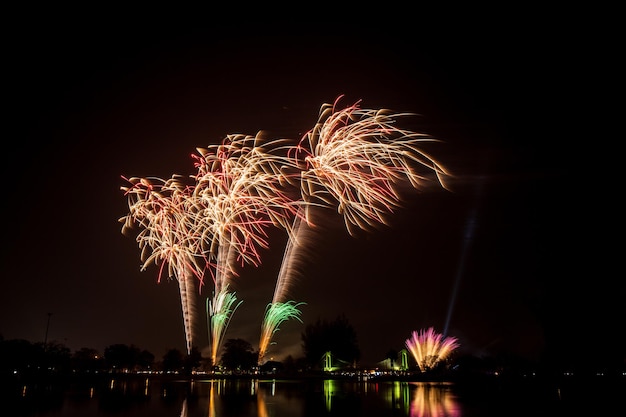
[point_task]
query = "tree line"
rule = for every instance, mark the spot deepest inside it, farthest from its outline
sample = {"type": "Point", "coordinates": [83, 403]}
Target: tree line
{"type": "Point", "coordinates": [24, 358]}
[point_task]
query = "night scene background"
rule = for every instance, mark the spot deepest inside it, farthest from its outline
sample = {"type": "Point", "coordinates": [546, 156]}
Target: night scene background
{"type": "Point", "coordinates": [510, 259]}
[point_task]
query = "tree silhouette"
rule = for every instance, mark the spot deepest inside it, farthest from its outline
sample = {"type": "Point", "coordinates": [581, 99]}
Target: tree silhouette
{"type": "Point", "coordinates": [122, 357]}
{"type": "Point", "coordinates": [86, 360]}
{"type": "Point", "coordinates": [145, 360]}
{"type": "Point", "coordinates": [192, 360]}
{"type": "Point", "coordinates": [19, 355]}
{"type": "Point", "coordinates": [238, 355]}
{"type": "Point", "coordinates": [337, 337]}
{"type": "Point", "coordinates": [173, 360]}
{"type": "Point", "coordinates": [57, 358]}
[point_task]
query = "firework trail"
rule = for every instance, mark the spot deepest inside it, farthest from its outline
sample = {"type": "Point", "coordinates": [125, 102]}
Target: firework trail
{"type": "Point", "coordinates": [280, 310]}
{"type": "Point", "coordinates": [430, 348]}
{"type": "Point", "coordinates": [165, 212]}
{"type": "Point", "coordinates": [240, 187]}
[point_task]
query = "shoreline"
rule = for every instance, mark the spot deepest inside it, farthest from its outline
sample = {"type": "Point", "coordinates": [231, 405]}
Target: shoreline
{"type": "Point", "coordinates": [470, 379]}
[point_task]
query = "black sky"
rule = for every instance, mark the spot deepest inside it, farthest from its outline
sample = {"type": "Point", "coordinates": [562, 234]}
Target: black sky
{"type": "Point", "coordinates": [511, 242]}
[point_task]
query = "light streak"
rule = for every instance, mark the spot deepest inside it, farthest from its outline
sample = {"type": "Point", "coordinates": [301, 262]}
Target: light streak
{"type": "Point", "coordinates": [470, 226]}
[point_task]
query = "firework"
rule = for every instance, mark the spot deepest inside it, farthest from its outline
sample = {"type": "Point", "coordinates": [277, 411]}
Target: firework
{"type": "Point", "coordinates": [275, 314]}
{"type": "Point", "coordinates": [354, 160]}
{"type": "Point", "coordinates": [166, 215]}
{"type": "Point", "coordinates": [430, 348]}
{"type": "Point", "coordinates": [219, 312]}
{"type": "Point", "coordinates": [240, 187]}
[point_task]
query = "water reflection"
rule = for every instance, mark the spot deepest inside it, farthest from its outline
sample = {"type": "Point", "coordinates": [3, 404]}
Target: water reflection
{"type": "Point", "coordinates": [413, 399]}
{"type": "Point", "coordinates": [261, 405]}
{"type": "Point", "coordinates": [138, 397]}
{"type": "Point", "coordinates": [330, 387]}
{"type": "Point", "coordinates": [185, 411]}
{"type": "Point", "coordinates": [419, 399]}
{"type": "Point", "coordinates": [212, 400]}
{"type": "Point", "coordinates": [433, 401]}
{"type": "Point", "coordinates": [251, 397]}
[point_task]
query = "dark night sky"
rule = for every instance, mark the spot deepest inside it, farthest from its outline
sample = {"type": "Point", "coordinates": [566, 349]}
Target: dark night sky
{"type": "Point", "coordinates": [511, 243]}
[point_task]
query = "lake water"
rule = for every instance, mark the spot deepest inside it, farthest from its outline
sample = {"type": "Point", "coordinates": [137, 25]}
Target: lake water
{"type": "Point", "coordinates": [137, 397]}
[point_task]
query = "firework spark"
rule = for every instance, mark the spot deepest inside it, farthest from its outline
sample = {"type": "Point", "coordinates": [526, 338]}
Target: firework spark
{"type": "Point", "coordinates": [430, 348]}
{"type": "Point", "coordinates": [355, 159]}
